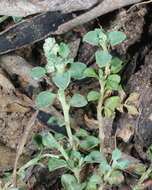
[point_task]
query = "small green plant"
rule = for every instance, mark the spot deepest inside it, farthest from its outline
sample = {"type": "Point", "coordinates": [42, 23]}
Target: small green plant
{"type": "Point", "coordinates": [63, 70]}
{"type": "Point", "coordinates": [106, 74]}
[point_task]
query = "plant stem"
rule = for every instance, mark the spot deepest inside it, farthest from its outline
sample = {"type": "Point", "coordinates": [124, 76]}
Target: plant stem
{"type": "Point", "coordinates": [3, 18]}
{"type": "Point", "coordinates": [99, 115]}
{"type": "Point", "coordinates": [66, 108]}
{"type": "Point", "coordinates": [77, 174]}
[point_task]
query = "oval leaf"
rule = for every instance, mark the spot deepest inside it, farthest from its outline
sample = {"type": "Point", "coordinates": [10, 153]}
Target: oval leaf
{"type": "Point", "coordinates": [91, 38]}
{"type": "Point", "coordinates": [64, 50]}
{"type": "Point", "coordinates": [116, 65]}
{"type": "Point", "coordinates": [116, 178]}
{"type": "Point", "coordinates": [116, 154]}
{"type": "Point", "coordinates": [49, 141]}
{"type": "Point", "coordinates": [95, 157]}
{"type": "Point", "coordinates": [89, 142]}
{"type": "Point", "coordinates": [38, 72]}
{"type": "Point", "coordinates": [112, 102]}
{"type": "Point", "coordinates": [55, 163]}
{"type": "Point", "coordinates": [69, 182]}
{"type": "Point", "coordinates": [89, 72]}
{"type": "Point", "coordinates": [45, 99]}
{"type": "Point", "coordinates": [93, 95]}
{"type": "Point", "coordinates": [78, 101]}
{"type": "Point", "coordinates": [103, 58]}
{"type": "Point", "coordinates": [116, 37]}
{"type": "Point", "coordinates": [62, 80]}
{"type": "Point", "coordinates": [76, 70]}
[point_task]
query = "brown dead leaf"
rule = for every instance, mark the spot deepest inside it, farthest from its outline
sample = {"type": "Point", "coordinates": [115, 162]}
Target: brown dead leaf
{"type": "Point", "coordinates": [132, 110]}
{"type": "Point", "coordinates": [133, 97]}
{"type": "Point", "coordinates": [74, 47]}
{"type": "Point", "coordinates": [125, 133]}
{"type": "Point", "coordinates": [5, 83]}
{"type": "Point", "coordinates": [91, 123]}
{"type": "Point", "coordinates": [14, 107]}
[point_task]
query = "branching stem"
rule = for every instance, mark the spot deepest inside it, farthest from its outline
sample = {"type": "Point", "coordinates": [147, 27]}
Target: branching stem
{"type": "Point", "coordinates": [99, 115]}
{"type": "Point", "coordinates": [66, 108]}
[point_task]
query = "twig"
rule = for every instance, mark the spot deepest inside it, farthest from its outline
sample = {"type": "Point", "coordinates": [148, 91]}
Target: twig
{"type": "Point", "coordinates": [142, 3]}
{"type": "Point", "coordinates": [21, 145]}
{"type": "Point", "coordinates": [104, 7]}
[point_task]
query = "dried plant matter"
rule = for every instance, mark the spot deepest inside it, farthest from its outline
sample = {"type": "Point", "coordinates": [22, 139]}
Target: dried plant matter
{"type": "Point", "coordinates": [27, 7]}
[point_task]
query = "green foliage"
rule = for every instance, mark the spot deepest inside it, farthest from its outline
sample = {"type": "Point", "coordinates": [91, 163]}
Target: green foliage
{"type": "Point", "coordinates": [103, 58]}
{"type": "Point", "coordinates": [116, 178]}
{"type": "Point", "coordinates": [76, 70]}
{"type": "Point", "coordinates": [62, 80]}
{"type": "Point", "coordinates": [93, 95]}
{"type": "Point", "coordinates": [89, 142]}
{"type": "Point", "coordinates": [38, 72]}
{"type": "Point", "coordinates": [45, 99]}
{"type": "Point", "coordinates": [89, 72]}
{"type": "Point", "coordinates": [116, 37]}
{"type": "Point", "coordinates": [55, 164]}
{"type": "Point", "coordinates": [55, 121]}
{"type": "Point", "coordinates": [80, 148]}
{"type": "Point", "coordinates": [78, 101]}
{"type": "Point", "coordinates": [112, 102]}
{"type": "Point", "coordinates": [95, 157]}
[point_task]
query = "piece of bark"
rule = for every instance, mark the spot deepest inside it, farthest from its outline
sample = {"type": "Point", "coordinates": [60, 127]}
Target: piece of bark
{"type": "Point", "coordinates": [28, 7]}
{"type": "Point", "coordinates": [104, 7]}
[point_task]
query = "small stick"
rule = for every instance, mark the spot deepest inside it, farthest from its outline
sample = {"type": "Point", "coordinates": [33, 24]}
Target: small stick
{"type": "Point", "coordinates": [21, 145]}
{"type": "Point", "coordinates": [142, 3]}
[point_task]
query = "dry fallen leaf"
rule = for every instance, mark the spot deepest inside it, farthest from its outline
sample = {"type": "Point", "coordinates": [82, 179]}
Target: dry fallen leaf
{"type": "Point", "coordinates": [14, 107]}
{"type": "Point", "coordinates": [91, 123]}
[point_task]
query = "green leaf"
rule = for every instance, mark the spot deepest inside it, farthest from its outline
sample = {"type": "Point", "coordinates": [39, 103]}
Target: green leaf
{"type": "Point", "coordinates": [64, 50]}
{"type": "Point", "coordinates": [38, 72]}
{"type": "Point", "coordinates": [62, 80]}
{"type": "Point", "coordinates": [45, 99]}
{"type": "Point", "coordinates": [17, 19]}
{"type": "Point", "coordinates": [50, 67]}
{"type": "Point", "coordinates": [101, 74]}
{"type": "Point", "coordinates": [121, 164]}
{"type": "Point", "coordinates": [89, 72]}
{"type": "Point", "coordinates": [94, 181]}
{"type": "Point", "coordinates": [107, 112]}
{"type": "Point", "coordinates": [93, 95]}
{"type": "Point", "coordinates": [78, 101]}
{"type": "Point", "coordinates": [113, 82]}
{"type": "Point", "coordinates": [89, 142]}
{"type": "Point", "coordinates": [91, 38]}
{"type": "Point", "coordinates": [50, 47]}
{"type": "Point", "coordinates": [112, 102]}
{"type": "Point", "coordinates": [69, 182]}
{"type": "Point", "coordinates": [95, 157]}
{"type": "Point", "coordinates": [55, 121]}
{"type": "Point", "coordinates": [55, 164]}
{"type": "Point", "coordinates": [116, 65]}
{"type": "Point", "coordinates": [103, 58]}
{"type": "Point", "coordinates": [76, 70]}
{"type": "Point", "coordinates": [102, 36]}
{"type": "Point", "coordinates": [115, 78]}
{"type": "Point", "coordinates": [116, 178]}
{"type": "Point", "coordinates": [49, 141]}
{"type": "Point", "coordinates": [116, 37]}
{"type": "Point", "coordinates": [116, 154]}
{"type": "Point", "coordinates": [81, 133]}
{"type": "Point", "coordinates": [104, 167]}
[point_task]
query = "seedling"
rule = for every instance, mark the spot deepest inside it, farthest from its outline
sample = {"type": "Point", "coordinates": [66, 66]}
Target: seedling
{"type": "Point", "coordinates": [106, 74]}
{"type": "Point", "coordinates": [63, 70]}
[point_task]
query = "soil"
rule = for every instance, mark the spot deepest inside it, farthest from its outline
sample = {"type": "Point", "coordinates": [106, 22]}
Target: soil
{"type": "Point", "coordinates": [18, 91]}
